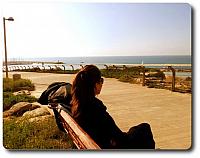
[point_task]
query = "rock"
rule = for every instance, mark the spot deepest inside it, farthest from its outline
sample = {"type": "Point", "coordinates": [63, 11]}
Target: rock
{"type": "Point", "coordinates": [27, 92]}
{"type": "Point", "coordinates": [39, 118]}
{"type": "Point", "coordinates": [35, 106]}
{"type": "Point", "coordinates": [16, 77]}
{"type": "Point", "coordinates": [7, 118]}
{"type": "Point", "coordinates": [7, 113]}
{"type": "Point", "coordinates": [19, 109]}
{"type": "Point", "coordinates": [37, 112]}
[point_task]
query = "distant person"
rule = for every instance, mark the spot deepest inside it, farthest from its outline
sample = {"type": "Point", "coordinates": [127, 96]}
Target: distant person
{"type": "Point", "coordinates": [90, 113]}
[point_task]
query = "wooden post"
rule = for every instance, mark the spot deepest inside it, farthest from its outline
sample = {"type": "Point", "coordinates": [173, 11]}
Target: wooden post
{"type": "Point", "coordinates": [173, 77]}
{"type": "Point", "coordinates": [143, 76]}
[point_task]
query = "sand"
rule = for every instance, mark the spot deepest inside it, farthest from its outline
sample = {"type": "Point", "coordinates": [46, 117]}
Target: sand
{"type": "Point", "coordinates": [168, 113]}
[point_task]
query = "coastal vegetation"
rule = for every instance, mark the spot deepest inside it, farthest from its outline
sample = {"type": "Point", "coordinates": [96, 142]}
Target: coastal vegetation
{"type": "Point", "coordinates": [10, 86]}
{"type": "Point", "coordinates": [9, 99]}
{"type": "Point", "coordinates": [154, 77]}
{"type": "Point", "coordinates": [19, 132]}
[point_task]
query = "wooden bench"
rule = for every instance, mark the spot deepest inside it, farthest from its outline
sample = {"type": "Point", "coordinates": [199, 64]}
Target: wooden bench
{"type": "Point", "coordinates": [79, 137]}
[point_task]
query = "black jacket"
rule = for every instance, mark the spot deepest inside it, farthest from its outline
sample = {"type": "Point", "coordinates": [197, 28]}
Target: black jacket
{"type": "Point", "coordinates": [97, 122]}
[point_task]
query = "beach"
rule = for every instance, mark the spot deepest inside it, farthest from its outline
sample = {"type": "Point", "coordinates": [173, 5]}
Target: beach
{"type": "Point", "coordinates": [168, 113]}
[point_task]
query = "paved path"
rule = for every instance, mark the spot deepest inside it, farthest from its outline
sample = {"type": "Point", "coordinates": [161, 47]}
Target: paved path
{"type": "Point", "coordinates": [169, 113]}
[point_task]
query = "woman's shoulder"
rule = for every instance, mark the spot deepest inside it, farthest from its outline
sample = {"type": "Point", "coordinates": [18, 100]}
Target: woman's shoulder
{"type": "Point", "coordinates": [97, 103]}
{"type": "Point", "coordinates": [96, 100]}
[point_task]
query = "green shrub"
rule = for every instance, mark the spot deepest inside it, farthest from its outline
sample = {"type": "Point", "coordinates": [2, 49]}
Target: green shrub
{"type": "Point", "coordinates": [121, 73]}
{"type": "Point", "coordinates": [127, 78]}
{"type": "Point", "coordinates": [23, 84]}
{"type": "Point", "coordinates": [188, 78]}
{"type": "Point", "coordinates": [21, 134]}
{"type": "Point", "coordinates": [151, 85]}
{"type": "Point", "coordinates": [9, 85]}
{"type": "Point", "coordinates": [158, 74]}
{"type": "Point", "coordinates": [112, 73]}
{"type": "Point", "coordinates": [9, 99]}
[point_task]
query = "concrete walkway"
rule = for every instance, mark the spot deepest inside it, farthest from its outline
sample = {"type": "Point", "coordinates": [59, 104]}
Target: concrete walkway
{"type": "Point", "coordinates": [168, 113]}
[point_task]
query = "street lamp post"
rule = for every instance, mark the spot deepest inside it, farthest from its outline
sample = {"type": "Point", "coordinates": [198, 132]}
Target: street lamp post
{"type": "Point", "coordinates": [4, 26]}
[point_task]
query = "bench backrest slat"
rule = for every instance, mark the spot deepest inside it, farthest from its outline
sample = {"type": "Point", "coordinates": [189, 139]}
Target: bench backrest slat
{"type": "Point", "coordinates": [80, 138]}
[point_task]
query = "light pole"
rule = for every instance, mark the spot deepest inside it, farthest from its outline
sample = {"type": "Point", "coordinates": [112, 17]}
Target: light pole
{"type": "Point", "coordinates": [4, 26]}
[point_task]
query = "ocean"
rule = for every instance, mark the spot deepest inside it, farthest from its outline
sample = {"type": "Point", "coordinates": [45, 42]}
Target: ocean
{"type": "Point", "coordinates": [118, 60]}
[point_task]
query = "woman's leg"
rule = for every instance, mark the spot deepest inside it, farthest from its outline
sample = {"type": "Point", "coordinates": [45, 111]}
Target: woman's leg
{"type": "Point", "coordinates": [141, 137]}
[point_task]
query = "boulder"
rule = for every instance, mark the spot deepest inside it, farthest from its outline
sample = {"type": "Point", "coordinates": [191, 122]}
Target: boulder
{"type": "Point", "coordinates": [27, 92]}
{"type": "Point", "coordinates": [19, 109]}
{"type": "Point", "coordinates": [39, 118]}
{"type": "Point", "coordinates": [16, 77]}
{"type": "Point", "coordinates": [37, 112]}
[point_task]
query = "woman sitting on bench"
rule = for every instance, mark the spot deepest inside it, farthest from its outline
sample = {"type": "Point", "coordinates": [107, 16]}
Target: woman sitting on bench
{"type": "Point", "coordinates": [90, 113]}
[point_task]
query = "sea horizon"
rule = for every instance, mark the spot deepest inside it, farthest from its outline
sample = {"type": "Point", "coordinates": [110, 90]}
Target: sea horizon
{"type": "Point", "coordinates": [177, 61]}
{"type": "Point", "coordinates": [153, 59]}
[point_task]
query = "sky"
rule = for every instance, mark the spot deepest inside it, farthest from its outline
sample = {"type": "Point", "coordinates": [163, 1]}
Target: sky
{"type": "Point", "coordinates": [63, 29]}
{"type": "Point", "coordinates": [193, 152]}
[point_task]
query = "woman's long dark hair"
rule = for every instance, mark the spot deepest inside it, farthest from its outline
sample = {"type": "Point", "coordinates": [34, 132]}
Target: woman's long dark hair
{"type": "Point", "coordinates": [83, 87]}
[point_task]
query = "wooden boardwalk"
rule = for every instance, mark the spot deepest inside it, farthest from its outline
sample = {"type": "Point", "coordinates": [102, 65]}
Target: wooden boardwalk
{"type": "Point", "coordinates": [168, 113]}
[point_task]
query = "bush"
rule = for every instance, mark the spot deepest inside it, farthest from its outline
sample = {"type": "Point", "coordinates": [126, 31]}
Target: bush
{"type": "Point", "coordinates": [188, 78]}
{"type": "Point", "coordinates": [127, 78]}
{"type": "Point", "coordinates": [159, 74]}
{"type": "Point", "coordinates": [151, 85]}
{"type": "Point", "coordinates": [21, 134]}
{"type": "Point", "coordinates": [9, 99]}
{"type": "Point", "coordinates": [23, 84]}
{"type": "Point", "coordinates": [112, 73]}
{"type": "Point", "coordinates": [119, 73]}
{"type": "Point", "coordinates": [9, 85]}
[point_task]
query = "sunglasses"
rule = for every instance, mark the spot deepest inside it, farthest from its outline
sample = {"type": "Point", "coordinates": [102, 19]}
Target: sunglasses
{"type": "Point", "coordinates": [101, 80]}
